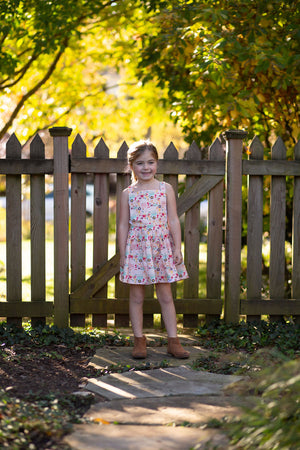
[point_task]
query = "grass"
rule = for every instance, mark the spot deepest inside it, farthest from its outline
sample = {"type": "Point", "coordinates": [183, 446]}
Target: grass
{"type": "Point", "coordinates": [26, 291]}
{"type": "Point", "coordinates": [26, 256]}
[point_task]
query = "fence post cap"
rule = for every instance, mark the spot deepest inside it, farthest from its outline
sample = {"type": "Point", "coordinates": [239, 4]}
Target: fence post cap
{"type": "Point", "coordinates": [235, 134]}
{"type": "Point", "coordinates": [60, 131]}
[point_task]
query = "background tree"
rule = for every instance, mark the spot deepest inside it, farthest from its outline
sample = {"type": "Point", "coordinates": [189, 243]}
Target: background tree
{"type": "Point", "coordinates": [227, 64]}
{"type": "Point", "coordinates": [34, 35]}
{"type": "Point", "coordinates": [65, 61]}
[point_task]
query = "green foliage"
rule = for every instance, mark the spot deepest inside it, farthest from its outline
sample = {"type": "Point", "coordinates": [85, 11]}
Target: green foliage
{"type": "Point", "coordinates": [251, 336]}
{"type": "Point", "coordinates": [212, 363]}
{"type": "Point", "coordinates": [70, 61]}
{"type": "Point", "coordinates": [37, 423]}
{"type": "Point", "coordinates": [30, 29]}
{"type": "Point", "coordinates": [240, 362]}
{"type": "Point", "coordinates": [226, 66]}
{"type": "Point", "coordinates": [274, 421]}
{"type": "Point", "coordinates": [47, 335]}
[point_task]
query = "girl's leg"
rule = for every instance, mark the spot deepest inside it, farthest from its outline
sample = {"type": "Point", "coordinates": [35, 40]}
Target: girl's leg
{"type": "Point", "coordinates": [136, 300]}
{"type": "Point", "coordinates": [165, 298]}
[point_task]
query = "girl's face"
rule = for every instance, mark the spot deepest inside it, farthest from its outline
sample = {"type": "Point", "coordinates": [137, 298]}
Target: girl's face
{"type": "Point", "coordinates": [145, 166]}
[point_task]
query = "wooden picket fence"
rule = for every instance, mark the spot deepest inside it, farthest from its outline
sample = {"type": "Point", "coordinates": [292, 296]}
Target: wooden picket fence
{"type": "Point", "coordinates": [219, 178]}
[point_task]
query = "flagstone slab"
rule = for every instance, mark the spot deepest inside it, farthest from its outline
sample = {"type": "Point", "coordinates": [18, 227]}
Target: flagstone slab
{"type": "Point", "coordinates": [159, 383]}
{"type": "Point", "coordinates": [175, 410]}
{"type": "Point", "coordinates": [111, 356]}
{"type": "Point", "coordinates": [132, 437]}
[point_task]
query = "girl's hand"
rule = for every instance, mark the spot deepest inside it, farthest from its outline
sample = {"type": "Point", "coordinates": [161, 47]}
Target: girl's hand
{"type": "Point", "coordinates": [122, 261]}
{"type": "Point", "coordinates": [177, 257]}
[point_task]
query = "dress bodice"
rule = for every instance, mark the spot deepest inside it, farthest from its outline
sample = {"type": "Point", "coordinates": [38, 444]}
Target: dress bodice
{"type": "Point", "coordinates": [148, 208]}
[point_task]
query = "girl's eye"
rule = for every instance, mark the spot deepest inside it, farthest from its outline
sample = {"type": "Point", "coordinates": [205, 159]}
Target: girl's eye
{"type": "Point", "coordinates": [140, 163]}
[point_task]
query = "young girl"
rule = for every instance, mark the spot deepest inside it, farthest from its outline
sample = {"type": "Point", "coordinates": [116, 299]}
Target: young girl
{"type": "Point", "coordinates": [150, 245]}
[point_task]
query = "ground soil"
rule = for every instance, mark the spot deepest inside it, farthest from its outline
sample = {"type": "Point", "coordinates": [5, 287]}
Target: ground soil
{"type": "Point", "coordinates": [57, 369]}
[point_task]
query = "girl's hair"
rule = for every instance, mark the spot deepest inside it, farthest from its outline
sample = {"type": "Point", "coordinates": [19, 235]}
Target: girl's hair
{"type": "Point", "coordinates": [136, 149]}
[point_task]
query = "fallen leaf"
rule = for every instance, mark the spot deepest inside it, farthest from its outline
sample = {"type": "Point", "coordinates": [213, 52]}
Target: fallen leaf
{"type": "Point", "coordinates": [99, 420]}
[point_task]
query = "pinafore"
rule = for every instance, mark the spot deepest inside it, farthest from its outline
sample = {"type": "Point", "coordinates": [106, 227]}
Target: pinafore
{"type": "Point", "coordinates": [149, 246]}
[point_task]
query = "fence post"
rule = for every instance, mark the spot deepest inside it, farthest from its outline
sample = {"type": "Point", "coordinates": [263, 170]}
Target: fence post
{"type": "Point", "coordinates": [233, 214]}
{"type": "Point", "coordinates": [61, 225]}
{"type": "Point", "coordinates": [296, 236]}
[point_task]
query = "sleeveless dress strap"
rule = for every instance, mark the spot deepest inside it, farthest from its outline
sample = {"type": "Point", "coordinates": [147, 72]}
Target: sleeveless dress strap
{"type": "Point", "coordinates": [162, 186]}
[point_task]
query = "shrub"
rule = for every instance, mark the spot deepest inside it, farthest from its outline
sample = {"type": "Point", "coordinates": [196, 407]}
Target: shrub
{"type": "Point", "coordinates": [274, 421]}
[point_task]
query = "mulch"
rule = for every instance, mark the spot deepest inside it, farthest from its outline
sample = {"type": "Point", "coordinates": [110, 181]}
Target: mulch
{"type": "Point", "coordinates": [55, 369]}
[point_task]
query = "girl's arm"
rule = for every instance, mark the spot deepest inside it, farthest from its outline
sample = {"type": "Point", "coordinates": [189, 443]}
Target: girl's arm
{"type": "Point", "coordinates": [174, 223]}
{"type": "Point", "coordinates": [123, 225]}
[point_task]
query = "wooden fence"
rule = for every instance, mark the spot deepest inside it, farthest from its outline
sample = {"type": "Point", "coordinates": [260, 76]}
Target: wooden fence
{"type": "Point", "coordinates": [219, 177]}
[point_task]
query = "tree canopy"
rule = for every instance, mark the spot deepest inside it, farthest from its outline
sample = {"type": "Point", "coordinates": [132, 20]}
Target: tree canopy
{"type": "Point", "coordinates": [64, 62]}
{"type": "Point", "coordinates": [34, 35]}
{"type": "Point", "coordinates": [227, 64]}
{"type": "Point", "coordinates": [213, 64]}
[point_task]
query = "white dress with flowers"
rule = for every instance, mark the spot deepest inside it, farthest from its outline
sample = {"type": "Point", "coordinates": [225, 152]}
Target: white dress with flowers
{"type": "Point", "coordinates": [149, 246]}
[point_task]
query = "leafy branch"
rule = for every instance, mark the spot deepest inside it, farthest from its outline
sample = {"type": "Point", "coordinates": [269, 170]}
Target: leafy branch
{"type": "Point", "coordinates": [31, 92]}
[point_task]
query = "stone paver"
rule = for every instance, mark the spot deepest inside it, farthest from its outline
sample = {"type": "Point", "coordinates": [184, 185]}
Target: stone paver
{"type": "Point", "coordinates": [159, 383]}
{"type": "Point", "coordinates": [132, 437]}
{"type": "Point", "coordinates": [109, 356]}
{"type": "Point", "coordinates": [174, 410]}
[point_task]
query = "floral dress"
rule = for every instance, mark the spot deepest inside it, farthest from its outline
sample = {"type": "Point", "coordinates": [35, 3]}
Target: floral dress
{"type": "Point", "coordinates": [149, 246]}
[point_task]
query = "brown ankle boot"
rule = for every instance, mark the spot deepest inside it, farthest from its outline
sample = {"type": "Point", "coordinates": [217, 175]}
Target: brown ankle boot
{"type": "Point", "coordinates": [139, 350]}
{"type": "Point", "coordinates": [175, 349]}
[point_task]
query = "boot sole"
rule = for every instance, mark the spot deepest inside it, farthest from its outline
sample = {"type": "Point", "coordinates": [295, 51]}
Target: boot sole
{"type": "Point", "coordinates": [178, 357]}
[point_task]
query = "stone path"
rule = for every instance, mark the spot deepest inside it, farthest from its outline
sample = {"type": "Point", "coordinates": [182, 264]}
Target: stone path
{"type": "Point", "coordinates": [160, 409]}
